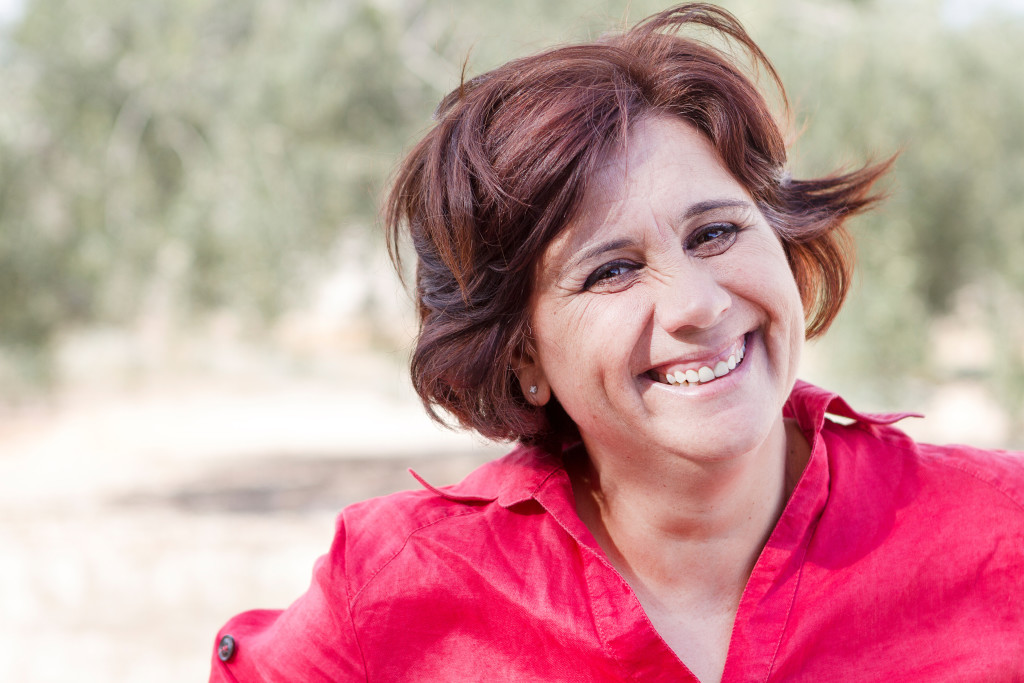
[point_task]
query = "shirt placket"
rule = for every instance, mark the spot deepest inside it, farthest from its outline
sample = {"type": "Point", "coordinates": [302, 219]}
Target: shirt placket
{"type": "Point", "coordinates": [625, 632]}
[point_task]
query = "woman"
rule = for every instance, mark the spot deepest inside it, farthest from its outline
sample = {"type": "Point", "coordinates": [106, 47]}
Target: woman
{"type": "Point", "coordinates": [614, 269]}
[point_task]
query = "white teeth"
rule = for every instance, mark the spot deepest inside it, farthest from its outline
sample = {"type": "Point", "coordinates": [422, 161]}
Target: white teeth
{"type": "Point", "coordinates": [706, 373]}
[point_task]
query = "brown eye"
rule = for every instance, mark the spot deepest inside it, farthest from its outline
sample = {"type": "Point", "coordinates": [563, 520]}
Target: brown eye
{"type": "Point", "coordinates": [616, 270]}
{"type": "Point", "coordinates": [712, 240]}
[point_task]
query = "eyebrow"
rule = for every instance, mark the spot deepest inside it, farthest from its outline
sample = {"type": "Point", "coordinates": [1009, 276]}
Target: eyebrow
{"type": "Point", "coordinates": [713, 204]}
{"type": "Point", "coordinates": [601, 248]}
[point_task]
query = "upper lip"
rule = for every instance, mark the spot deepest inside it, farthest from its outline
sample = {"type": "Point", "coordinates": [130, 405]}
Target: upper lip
{"type": "Point", "coordinates": [694, 361]}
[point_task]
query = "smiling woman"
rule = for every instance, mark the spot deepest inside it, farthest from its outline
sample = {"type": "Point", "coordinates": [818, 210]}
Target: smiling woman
{"type": "Point", "coordinates": [670, 268]}
{"type": "Point", "coordinates": [615, 270]}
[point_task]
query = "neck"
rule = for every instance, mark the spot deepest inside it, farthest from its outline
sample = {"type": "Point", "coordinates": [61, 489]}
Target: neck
{"type": "Point", "coordinates": [689, 525]}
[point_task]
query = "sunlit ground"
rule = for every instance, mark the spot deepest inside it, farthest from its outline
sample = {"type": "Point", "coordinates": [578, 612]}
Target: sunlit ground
{"type": "Point", "coordinates": [136, 519]}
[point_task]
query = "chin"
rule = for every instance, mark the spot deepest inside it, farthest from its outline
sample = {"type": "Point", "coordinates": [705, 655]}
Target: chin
{"type": "Point", "coordinates": [726, 447]}
{"type": "Point", "coordinates": [741, 430]}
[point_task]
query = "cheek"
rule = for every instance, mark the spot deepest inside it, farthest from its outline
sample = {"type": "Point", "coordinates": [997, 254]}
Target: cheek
{"type": "Point", "coordinates": [584, 337]}
{"type": "Point", "coordinates": [772, 277]}
{"type": "Point", "coordinates": [557, 334]}
{"type": "Point", "coordinates": [788, 314]}
{"type": "Point", "coordinates": [794, 302]}
{"type": "Point", "coordinates": [787, 294]}
{"type": "Point", "coordinates": [563, 328]}
{"type": "Point", "coordinates": [785, 306]}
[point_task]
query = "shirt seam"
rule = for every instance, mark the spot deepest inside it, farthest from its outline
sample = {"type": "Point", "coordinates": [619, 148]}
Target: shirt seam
{"type": "Point", "coordinates": [355, 631]}
{"type": "Point", "coordinates": [792, 601]}
{"type": "Point", "coordinates": [959, 468]}
{"type": "Point", "coordinates": [619, 664]}
{"type": "Point", "coordinates": [921, 458]}
{"type": "Point", "coordinates": [990, 484]}
{"type": "Point", "coordinates": [398, 552]}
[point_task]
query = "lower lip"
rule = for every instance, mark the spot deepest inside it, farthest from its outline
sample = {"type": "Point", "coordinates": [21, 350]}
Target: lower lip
{"type": "Point", "coordinates": [717, 385]}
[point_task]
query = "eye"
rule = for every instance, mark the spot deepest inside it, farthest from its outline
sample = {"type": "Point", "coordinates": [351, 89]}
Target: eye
{"type": "Point", "coordinates": [712, 240]}
{"type": "Point", "coordinates": [610, 275]}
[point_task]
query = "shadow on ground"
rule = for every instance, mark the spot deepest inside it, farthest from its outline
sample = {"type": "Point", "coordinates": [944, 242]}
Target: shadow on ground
{"type": "Point", "coordinates": [289, 483]}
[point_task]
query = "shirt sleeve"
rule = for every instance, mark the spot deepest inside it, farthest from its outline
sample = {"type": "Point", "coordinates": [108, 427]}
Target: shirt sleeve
{"type": "Point", "coordinates": [313, 640]}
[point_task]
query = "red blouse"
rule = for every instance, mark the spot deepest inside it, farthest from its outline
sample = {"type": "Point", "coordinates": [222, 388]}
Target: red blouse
{"type": "Point", "coordinates": [893, 561]}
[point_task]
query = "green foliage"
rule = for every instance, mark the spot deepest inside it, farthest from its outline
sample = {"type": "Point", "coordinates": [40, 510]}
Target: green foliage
{"type": "Point", "coordinates": [948, 244]}
{"type": "Point", "coordinates": [206, 154]}
{"type": "Point", "coordinates": [208, 151]}
{"type": "Point", "coordinates": [211, 147]}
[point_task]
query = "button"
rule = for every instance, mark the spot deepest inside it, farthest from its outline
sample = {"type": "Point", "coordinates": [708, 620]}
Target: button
{"type": "Point", "coordinates": [226, 648]}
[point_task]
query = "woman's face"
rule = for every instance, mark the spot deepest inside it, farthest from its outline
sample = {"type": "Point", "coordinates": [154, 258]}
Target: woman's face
{"type": "Point", "coordinates": [670, 272]}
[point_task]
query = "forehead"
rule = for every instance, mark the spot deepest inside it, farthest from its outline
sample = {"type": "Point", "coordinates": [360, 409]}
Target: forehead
{"type": "Point", "coordinates": [663, 168]}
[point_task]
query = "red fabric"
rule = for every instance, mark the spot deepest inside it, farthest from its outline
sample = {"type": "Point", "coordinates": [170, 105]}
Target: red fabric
{"type": "Point", "coordinates": [892, 561]}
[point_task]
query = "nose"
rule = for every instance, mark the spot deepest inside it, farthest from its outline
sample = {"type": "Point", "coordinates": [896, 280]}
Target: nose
{"type": "Point", "coordinates": [691, 297]}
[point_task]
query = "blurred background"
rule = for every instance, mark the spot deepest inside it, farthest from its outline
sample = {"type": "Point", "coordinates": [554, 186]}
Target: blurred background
{"type": "Point", "coordinates": [203, 346]}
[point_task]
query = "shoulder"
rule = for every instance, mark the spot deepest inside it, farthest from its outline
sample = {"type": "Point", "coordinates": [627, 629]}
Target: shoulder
{"type": "Point", "coordinates": [394, 559]}
{"type": "Point", "coordinates": [870, 458]}
{"type": "Point", "coordinates": [1000, 472]}
{"type": "Point", "coordinates": [925, 540]}
{"type": "Point", "coordinates": [370, 535]}
{"type": "Point", "coordinates": [959, 475]}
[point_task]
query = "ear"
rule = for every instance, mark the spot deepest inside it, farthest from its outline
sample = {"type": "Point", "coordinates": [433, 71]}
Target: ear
{"type": "Point", "coordinates": [531, 376]}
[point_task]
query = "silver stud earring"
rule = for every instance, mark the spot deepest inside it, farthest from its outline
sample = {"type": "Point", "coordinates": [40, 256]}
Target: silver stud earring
{"type": "Point", "coordinates": [533, 389]}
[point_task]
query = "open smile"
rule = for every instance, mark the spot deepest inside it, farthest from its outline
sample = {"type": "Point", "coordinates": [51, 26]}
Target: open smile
{"type": "Point", "coordinates": [701, 371]}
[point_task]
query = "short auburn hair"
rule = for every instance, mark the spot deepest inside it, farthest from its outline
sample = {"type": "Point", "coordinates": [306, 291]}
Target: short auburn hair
{"type": "Point", "coordinates": [507, 165]}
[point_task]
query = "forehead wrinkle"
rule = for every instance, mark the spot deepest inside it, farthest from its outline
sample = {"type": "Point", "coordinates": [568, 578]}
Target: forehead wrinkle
{"type": "Point", "coordinates": [667, 228]}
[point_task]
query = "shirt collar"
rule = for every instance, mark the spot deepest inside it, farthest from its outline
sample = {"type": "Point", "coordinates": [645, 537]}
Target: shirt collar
{"type": "Point", "coordinates": [809, 405]}
{"type": "Point", "coordinates": [512, 479]}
